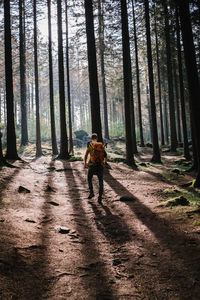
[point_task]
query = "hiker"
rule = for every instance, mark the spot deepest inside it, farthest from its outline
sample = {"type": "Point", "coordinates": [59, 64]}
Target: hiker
{"type": "Point", "coordinates": [97, 159]}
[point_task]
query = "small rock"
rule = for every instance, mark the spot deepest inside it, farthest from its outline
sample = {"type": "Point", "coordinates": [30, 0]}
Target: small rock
{"type": "Point", "coordinates": [60, 250]}
{"type": "Point", "coordinates": [126, 198]}
{"type": "Point", "coordinates": [53, 203]}
{"type": "Point", "coordinates": [30, 221]}
{"type": "Point", "coordinates": [84, 275]}
{"type": "Point", "coordinates": [22, 189]}
{"type": "Point", "coordinates": [63, 230]}
{"type": "Point", "coordinates": [49, 189]}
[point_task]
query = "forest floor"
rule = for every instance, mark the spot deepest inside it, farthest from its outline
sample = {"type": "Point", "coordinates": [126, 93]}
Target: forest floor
{"type": "Point", "coordinates": [57, 244]}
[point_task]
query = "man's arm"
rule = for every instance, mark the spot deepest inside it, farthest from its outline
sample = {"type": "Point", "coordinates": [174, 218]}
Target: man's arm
{"type": "Point", "coordinates": [105, 155]}
{"type": "Point", "coordinates": [85, 158]}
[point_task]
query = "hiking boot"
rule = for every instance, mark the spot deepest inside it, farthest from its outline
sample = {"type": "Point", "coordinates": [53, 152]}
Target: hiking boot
{"type": "Point", "coordinates": [91, 195]}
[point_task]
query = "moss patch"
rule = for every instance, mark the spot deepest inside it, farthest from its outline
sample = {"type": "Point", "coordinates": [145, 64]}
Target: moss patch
{"type": "Point", "coordinates": [183, 164]}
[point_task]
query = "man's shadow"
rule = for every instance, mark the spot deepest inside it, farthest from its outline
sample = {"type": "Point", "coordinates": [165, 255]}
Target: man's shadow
{"type": "Point", "coordinates": [112, 226]}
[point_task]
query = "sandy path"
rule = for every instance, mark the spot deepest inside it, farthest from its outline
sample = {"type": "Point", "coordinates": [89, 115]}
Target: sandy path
{"type": "Point", "coordinates": [117, 250]}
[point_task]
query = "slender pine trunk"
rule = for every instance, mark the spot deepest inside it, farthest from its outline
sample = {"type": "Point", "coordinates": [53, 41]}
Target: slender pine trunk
{"type": "Point", "coordinates": [37, 103]}
{"type": "Point", "coordinates": [173, 135]}
{"type": "Point", "coordinates": [68, 82]}
{"type": "Point", "coordinates": [138, 78]}
{"type": "Point", "coordinates": [64, 154]}
{"type": "Point", "coordinates": [159, 84]}
{"type": "Point", "coordinates": [103, 78]}
{"type": "Point", "coordinates": [181, 87]}
{"type": "Point", "coordinates": [177, 103]}
{"type": "Point", "coordinates": [51, 89]}
{"type": "Point", "coordinates": [24, 127]}
{"type": "Point", "coordinates": [156, 151]}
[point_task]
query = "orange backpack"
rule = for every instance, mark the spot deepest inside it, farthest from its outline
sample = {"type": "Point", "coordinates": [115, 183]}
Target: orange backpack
{"type": "Point", "coordinates": [98, 153]}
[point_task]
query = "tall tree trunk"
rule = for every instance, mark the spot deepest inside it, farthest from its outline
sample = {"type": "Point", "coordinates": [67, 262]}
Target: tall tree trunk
{"type": "Point", "coordinates": [181, 87]}
{"type": "Point", "coordinates": [103, 79]}
{"type": "Point", "coordinates": [1, 152]}
{"type": "Point", "coordinates": [11, 136]}
{"type": "Point", "coordinates": [166, 123]}
{"type": "Point", "coordinates": [64, 154]}
{"type": "Point", "coordinates": [68, 81]}
{"type": "Point", "coordinates": [173, 135]}
{"type": "Point", "coordinates": [51, 90]}
{"type": "Point", "coordinates": [0, 106]}
{"type": "Point", "coordinates": [92, 68]}
{"type": "Point", "coordinates": [79, 96]}
{"type": "Point", "coordinates": [38, 135]}
{"type": "Point", "coordinates": [138, 78]}
{"type": "Point", "coordinates": [149, 115]}
{"type": "Point", "coordinates": [177, 103]}
{"type": "Point", "coordinates": [127, 84]}
{"type": "Point", "coordinates": [24, 127]}
{"type": "Point", "coordinates": [156, 150]}
{"type": "Point", "coordinates": [4, 107]}
{"type": "Point", "coordinates": [192, 74]}
{"type": "Point", "coordinates": [159, 83]}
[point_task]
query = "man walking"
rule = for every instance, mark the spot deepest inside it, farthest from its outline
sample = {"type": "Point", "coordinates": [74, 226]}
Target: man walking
{"type": "Point", "coordinates": [97, 159]}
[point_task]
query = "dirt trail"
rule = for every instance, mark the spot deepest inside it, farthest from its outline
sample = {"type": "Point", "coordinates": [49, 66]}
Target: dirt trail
{"type": "Point", "coordinates": [114, 250]}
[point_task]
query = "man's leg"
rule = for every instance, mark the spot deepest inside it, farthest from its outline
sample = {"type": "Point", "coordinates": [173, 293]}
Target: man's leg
{"type": "Point", "coordinates": [100, 177]}
{"type": "Point", "coordinates": [90, 185]}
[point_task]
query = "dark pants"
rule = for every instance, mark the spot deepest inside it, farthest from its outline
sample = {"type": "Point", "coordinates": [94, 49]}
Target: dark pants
{"type": "Point", "coordinates": [95, 170]}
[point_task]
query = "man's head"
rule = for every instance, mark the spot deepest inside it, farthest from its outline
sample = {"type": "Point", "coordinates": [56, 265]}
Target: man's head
{"type": "Point", "coordinates": [94, 137]}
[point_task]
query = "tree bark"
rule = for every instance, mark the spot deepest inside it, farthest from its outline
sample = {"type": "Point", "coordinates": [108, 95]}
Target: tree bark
{"type": "Point", "coordinates": [68, 82]}
{"type": "Point", "coordinates": [181, 89]}
{"type": "Point", "coordinates": [159, 83]}
{"type": "Point", "coordinates": [92, 69]}
{"type": "Point", "coordinates": [156, 150]}
{"type": "Point", "coordinates": [127, 84]}
{"type": "Point", "coordinates": [24, 127]}
{"type": "Point", "coordinates": [11, 152]}
{"type": "Point", "coordinates": [192, 75]}
{"type": "Point", "coordinates": [177, 103]}
{"type": "Point", "coordinates": [51, 90]}
{"type": "Point", "coordinates": [103, 79]}
{"type": "Point", "coordinates": [37, 104]}
{"type": "Point", "coordinates": [64, 154]}
{"type": "Point", "coordinates": [173, 135]}
{"type": "Point", "coordinates": [138, 78]}
{"type": "Point", "coordinates": [1, 152]}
